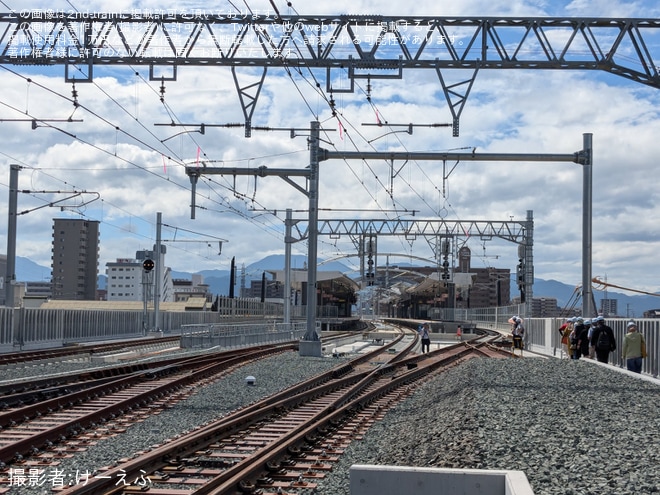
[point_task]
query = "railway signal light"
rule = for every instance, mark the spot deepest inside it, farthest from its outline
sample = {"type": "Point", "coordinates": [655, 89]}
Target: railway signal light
{"type": "Point", "coordinates": [148, 265]}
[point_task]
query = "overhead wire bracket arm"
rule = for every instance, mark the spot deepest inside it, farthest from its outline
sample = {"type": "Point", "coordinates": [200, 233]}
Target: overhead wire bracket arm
{"type": "Point", "coordinates": [72, 194]}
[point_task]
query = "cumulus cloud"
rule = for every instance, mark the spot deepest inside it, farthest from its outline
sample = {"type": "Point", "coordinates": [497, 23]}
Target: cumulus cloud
{"type": "Point", "coordinates": [138, 168]}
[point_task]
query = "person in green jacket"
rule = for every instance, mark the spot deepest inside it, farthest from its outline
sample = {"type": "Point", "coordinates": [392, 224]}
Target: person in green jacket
{"type": "Point", "coordinates": [634, 348]}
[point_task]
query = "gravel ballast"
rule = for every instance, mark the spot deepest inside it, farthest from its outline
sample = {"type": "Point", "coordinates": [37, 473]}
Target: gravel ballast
{"type": "Point", "coordinates": [572, 427]}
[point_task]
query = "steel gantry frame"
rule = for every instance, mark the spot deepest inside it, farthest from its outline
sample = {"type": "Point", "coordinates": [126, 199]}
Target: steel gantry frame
{"type": "Point", "coordinates": [520, 232]}
{"type": "Point", "coordinates": [311, 345]}
{"type": "Point", "coordinates": [346, 47]}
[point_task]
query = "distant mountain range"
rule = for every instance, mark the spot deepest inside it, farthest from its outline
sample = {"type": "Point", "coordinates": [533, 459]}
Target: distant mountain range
{"type": "Point", "coordinates": [218, 281]}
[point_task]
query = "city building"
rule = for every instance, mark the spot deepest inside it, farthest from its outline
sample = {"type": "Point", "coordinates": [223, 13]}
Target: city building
{"type": "Point", "coordinates": [335, 292]}
{"type": "Point", "coordinates": [127, 280]}
{"type": "Point", "coordinates": [185, 289]}
{"type": "Point", "coordinates": [546, 307]}
{"type": "Point", "coordinates": [609, 307]}
{"type": "Point", "coordinates": [75, 259]}
{"type": "Point", "coordinates": [273, 289]}
{"type": "Point", "coordinates": [483, 287]}
{"type": "Point", "coordinates": [38, 289]}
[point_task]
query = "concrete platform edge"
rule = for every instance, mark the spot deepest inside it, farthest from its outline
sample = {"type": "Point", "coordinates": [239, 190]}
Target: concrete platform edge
{"type": "Point", "coordinates": [394, 480]}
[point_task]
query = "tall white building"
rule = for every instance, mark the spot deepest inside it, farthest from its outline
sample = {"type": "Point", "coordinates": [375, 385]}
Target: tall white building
{"type": "Point", "coordinates": [128, 281]}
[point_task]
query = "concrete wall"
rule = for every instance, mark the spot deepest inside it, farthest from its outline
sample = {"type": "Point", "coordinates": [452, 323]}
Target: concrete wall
{"type": "Point", "coordinates": [397, 480]}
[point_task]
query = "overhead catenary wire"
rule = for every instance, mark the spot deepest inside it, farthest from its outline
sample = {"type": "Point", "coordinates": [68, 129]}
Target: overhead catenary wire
{"type": "Point", "coordinates": [169, 112]}
{"type": "Point", "coordinates": [342, 123]}
{"type": "Point", "coordinates": [115, 156]}
{"type": "Point", "coordinates": [117, 129]}
{"type": "Point", "coordinates": [248, 198]}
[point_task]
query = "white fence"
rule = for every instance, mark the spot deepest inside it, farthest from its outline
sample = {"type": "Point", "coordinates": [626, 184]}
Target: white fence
{"type": "Point", "coordinates": [241, 334]}
{"type": "Point", "coordinates": [34, 328]}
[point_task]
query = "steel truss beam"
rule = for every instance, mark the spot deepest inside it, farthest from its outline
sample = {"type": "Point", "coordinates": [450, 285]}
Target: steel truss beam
{"type": "Point", "coordinates": [347, 47]}
{"type": "Point", "coordinates": [519, 232]}
{"type": "Point", "coordinates": [512, 231]}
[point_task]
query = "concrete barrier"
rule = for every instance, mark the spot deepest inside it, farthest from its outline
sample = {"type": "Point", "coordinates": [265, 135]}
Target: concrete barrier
{"type": "Point", "coordinates": [395, 480]}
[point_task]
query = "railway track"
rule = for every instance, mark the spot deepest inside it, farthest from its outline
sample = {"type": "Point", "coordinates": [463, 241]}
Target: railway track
{"type": "Point", "coordinates": [17, 393]}
{"type": "Point", "coordinates": [284, 443]}
{"type": "Point", "coordinates": [37, 390]}
{"type": "Point", "coordinates": [78, 350]}
{"type": "Point", "coordinates": [37, 429]}
{"type": "Point", "coordinates": [38, 416]}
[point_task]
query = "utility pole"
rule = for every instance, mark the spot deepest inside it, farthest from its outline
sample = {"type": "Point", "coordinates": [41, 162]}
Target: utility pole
{"type": "Point", "coordinates": [158, 258]}
{"type": "Point", "coordinates": [10, 276]}
{"type": "Point", "coordinates": [311, 343]}
{"type": "Point", "coordinates": [588, 309]}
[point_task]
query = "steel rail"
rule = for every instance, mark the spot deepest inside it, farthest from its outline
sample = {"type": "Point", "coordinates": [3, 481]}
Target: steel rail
{"type": "Point", "coordinates": [24, 356]}
{"type": "Point", "coordinates": [20, 392]}
{"type": "Point", "coordinates": [182, 448]}
{"type": "Point", "coordinates": [362, 394]}
{"type": "Point", "coordinates": [357, 383]}
{"type": "Point", "coordinates": [182, 374]}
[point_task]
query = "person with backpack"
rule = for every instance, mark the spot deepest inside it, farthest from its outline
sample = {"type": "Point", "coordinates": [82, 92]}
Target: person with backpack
{"type": "Point", "coordinates": [584, 338]}
{"type": "Point", "coordinates": [576, 337]}
{"type": "Point", "coordinates": [602, 339]}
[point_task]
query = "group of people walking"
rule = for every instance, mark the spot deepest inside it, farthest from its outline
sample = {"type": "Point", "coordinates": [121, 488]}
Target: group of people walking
{"type": "Point", "coordinates": [591, 338]}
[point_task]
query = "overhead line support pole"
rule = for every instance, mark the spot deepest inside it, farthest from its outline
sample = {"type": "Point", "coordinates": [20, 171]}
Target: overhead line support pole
{"type": "Point", "coordinates": [287, 266]}
{"type": "Point", "coordinates": [586, 159]}
{"type": "Point", "coordinates": [158, 258]}
{"type": "Point", "coordinates": [310, 345]}
{"type": "Point", "coordinates": [10, 275]}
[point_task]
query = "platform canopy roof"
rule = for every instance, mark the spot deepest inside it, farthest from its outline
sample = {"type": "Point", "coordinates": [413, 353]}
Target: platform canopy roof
{"type": "Point", "coordinates": [192, 304]}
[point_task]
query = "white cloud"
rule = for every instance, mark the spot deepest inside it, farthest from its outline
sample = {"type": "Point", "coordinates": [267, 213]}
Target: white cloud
{"type": "Point", "coordinates": [137, 167]}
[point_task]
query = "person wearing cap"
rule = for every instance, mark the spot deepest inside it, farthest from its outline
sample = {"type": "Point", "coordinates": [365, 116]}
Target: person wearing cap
{"type": "Point", "coordinates": [634, 348]}
{"type": "Point", "coordinates": [584, 340]}
{"type": "Point", "coordinates": [602, 340]}
{"type": "Point", "coordinates": [592, 346]}
{"type": "Point", "coordinates": [578, 335]}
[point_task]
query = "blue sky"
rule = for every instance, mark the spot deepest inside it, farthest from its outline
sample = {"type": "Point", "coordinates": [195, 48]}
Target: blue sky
{"type": "Point", "coordinates": [136, 167]}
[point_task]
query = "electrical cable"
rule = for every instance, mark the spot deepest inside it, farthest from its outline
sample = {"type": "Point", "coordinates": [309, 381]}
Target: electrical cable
{"type": "Point", "coordinates": [245, 197]}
